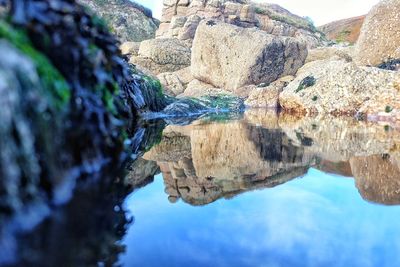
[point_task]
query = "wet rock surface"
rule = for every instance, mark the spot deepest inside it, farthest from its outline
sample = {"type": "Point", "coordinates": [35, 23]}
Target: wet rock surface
{"type": "Point", "coordinates": [69, 116]}
{"type": "Point", "coordinates": [22, 129]}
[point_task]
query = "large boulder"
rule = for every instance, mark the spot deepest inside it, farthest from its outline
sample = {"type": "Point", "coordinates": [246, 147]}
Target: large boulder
{"type": "Point", "coordinates": [231, 57]}
{"type": "Point", "coordinates": [337, 87]}
{"type": "Point", "coordinates": [379, 40]}
{"type": "Point", "coordinates": [127, 19]}
{"type": "Point", "coordinates": [189, 28]}
{"type": "Point", "coordinates": [162, 55]}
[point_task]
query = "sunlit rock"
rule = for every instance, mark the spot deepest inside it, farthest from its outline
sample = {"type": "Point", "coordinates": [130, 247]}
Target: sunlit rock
{"type": "Point", "coordinates": [380, 35]}
{"type": "Point", "coordinates": [270, 18]}
{"type": "Point", "coordinates": [337, 87]}
{"type": "Point", "coordinates": [176, 82]}
{"type": "Point", "coordinates": [231, 57]}
{"type": "Point", "coordinates": [264, 95]}
{"type": "Point", "coordinates": [162, 55]}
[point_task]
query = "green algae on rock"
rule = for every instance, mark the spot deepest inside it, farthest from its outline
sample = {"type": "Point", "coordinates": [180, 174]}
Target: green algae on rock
{"type": "Point", "coordinates": [53, 82]}
{"type": "Point", "coordinates": [65, 110]}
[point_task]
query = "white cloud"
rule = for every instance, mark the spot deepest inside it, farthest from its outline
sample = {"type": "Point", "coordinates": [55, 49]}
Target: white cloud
{"type": "Point", "coordinates": [321, 11]}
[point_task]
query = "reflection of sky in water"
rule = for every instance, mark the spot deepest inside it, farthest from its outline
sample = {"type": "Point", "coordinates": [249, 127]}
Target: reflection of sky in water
{"type": "Point", "coordinates": [319, 220]}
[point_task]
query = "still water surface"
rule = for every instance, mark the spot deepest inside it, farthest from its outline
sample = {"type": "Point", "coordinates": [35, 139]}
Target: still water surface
{"type": "Point", "coordinates": [251, 190]}
{"type": "Point", "coordinates": [319, 220]}
{"type": "Point", "coordinates": [268, 191]}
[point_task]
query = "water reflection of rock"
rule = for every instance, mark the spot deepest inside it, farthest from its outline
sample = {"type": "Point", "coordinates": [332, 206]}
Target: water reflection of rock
{"type": "Point", "coordinates": [339, 139]}
{"type": "Point", "coordinates": [141, 173]}
{"type": "Point", "coordinates": [85, 232]}
{"type": "Point", "coordinates": [378, 178]}
{"type": "Point", "coordinates": [203, 162]}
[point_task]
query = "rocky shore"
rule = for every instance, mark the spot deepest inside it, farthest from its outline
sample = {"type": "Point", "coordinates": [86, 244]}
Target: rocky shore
{"type": "Point", "coordinates": [208, 56]}
{"type": "Point", "coordinates": [76, 104]}
{"type": "Point", "coordinates": [71, 106]}
{"type": "Point", "coordinates": [265, 55]}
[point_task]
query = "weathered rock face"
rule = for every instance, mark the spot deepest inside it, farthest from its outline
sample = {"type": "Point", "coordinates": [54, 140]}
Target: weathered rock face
{"type": "Point", "coordinates": [198, 88]}
{"type": "Point", "coordinates": [176, 82]}
{"type": "Point", "coordinates": [377, 178]}
{"type": "Point", "coordinates": [267, 96]}
{"type": "Point", "coordinates": [380, 35]}
{"type": "Point", "coordinates": [128, 20]}
{"type": "Point", "coordinates": [337, 87]}
{"type": "Point", "coordinates": [162, 55]}
{"type": "Point", "coordinates": [231, 57]}
{"type": "Point", "coordinates": [181, 18]}
{"type": "Point", "coordinates": [333, 53]}
{"type": "Point", "coordinates": [346, 30]}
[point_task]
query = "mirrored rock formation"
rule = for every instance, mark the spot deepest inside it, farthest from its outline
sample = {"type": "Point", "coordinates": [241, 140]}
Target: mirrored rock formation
{"type": "Point", "coordinates": [205, 161]}
{"type": "Point", "coordinates": [378, 178]}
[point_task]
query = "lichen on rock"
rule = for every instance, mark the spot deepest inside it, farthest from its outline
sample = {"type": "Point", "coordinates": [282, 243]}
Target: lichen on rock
{"type": "Point", "coordinates": [127, 19]}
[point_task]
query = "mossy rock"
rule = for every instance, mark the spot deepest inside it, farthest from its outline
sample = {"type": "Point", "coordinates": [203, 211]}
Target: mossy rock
{"type": "Point", "coordinates": [53, 82]}
{"type": "Point", "coordinates": [305, 83]}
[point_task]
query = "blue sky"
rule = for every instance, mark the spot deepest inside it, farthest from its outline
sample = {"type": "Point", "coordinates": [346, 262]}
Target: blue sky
{"type": "Point", "coordinates": [320, 11]}
{"type": "Point", "coordinates": [318, 220]}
